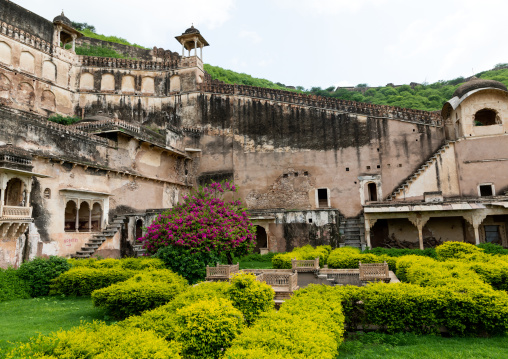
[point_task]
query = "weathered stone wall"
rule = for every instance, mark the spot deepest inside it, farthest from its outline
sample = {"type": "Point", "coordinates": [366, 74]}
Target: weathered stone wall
{"type": "Point", "coordinates": [26, 20]}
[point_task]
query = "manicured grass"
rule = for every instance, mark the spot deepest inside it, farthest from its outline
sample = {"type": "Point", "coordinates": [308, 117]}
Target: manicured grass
{"type": "Point", "coordinates": [408, 346]}
{"type": "Point", "coordinates": [255, 261]}
{"type": "Point", "coordinates": [21, 319]}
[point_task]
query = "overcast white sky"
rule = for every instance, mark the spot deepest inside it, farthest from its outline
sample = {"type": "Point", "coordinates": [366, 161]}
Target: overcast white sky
{"type": "Point", "coordinates": [313, 43]}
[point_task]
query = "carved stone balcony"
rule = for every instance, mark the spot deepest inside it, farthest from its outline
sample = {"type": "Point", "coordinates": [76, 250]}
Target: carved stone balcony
{"type": "Point", "coordinates": [15, 212]}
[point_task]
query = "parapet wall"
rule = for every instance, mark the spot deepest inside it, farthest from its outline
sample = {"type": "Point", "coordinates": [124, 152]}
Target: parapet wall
{"type": "Point", "coordinates": [26, 20]}
{"type": "Point", "coordinates": [371, 110]}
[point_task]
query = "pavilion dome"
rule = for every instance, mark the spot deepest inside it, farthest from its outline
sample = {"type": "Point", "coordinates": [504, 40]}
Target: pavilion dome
{"type": "Point", "coordinates": [476, 84]}
{"type": "Point", "coordinates": [63, 19]}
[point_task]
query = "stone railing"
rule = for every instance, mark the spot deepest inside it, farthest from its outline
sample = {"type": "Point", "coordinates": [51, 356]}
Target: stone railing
{"type": "Point", "coordinates": [16, 212]}
{"type": "Point", "coordinates": [285, 281]}
{"type": "Point", "coordinates": [128, 64]}
{"type": "Point", "coordinates": [305, 265]}
{"type": "Point", "coordinates": [109, 124]}
{"type": "Point", "coordinates": [374, 272]}
{"type": "Point", "coordinates": [26, 38]}
{"type": "Point", "coordinates": [15, 159]}
{"type": "Point", "coordinates": [35, 119]}
{"type": "Point", "coordinates": [221, 272]}
{"type": "Point", "coordinates": [404, 114]}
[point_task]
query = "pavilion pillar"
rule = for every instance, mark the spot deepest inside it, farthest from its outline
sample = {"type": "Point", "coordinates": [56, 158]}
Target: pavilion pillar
{"type": "Point", "coordinates": [369, 223]}
{"type": "Point", "coordinates": [419, 221]}
{"type": "Point", "coordinates": [78, 202]}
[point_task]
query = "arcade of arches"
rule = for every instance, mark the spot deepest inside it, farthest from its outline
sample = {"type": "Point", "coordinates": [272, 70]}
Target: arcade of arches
{"type": "Point", "coordinates": [86, 219]}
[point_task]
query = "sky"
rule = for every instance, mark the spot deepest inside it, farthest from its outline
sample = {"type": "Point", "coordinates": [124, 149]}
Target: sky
{"type": "Point", "coordinates": [313, 43]}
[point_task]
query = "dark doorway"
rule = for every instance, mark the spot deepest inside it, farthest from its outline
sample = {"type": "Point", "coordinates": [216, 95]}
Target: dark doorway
{"type": "Point", "coordinates": [372, 188]}
{"type": "Point", "coordinates": [322, 198]}
{"type": "Point", "coordinates": [261, 239]}
{"type": "Point", "coordinates": [139, 228]}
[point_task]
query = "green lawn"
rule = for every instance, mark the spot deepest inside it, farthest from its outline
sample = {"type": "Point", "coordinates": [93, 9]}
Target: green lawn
{"type": "Point", "coordinates": [255, 261]}
{"type": "Point", "coordinates": [416, 347]}
{"type": "Point", "coordinates": [21, 319]}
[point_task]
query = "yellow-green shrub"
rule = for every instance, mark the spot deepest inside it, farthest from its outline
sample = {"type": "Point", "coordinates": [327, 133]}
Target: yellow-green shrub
{"type": "Point", "coordinates": [283, 260]}
{"type": "Point", "coordinates": [145, 290]}
{"type": "Point", "coordinates": [141, 263]}
{"type": "Point", "coordinates": [348, 257]}
{"type": "Point", "coordinates": [309, 325]}
{"type": "Point", "coordinates": [453, 250]}
{"type": "Point", "coordinates": [98, 340]}
{"type": "Point", "coordinates": [250, 296]}
{"type": "Point", "coordinates": [82, 281]}
{"type": "Point", "coordinates": [208, 327]}
{"type": "Point", "coordinates": [494, 272]}
{"type": "Point", "coordinates": [162, 320]}
{"type": "Point", "coordinates": [410, 307]}
{"type": "Point", "coordinates": [403, 263]}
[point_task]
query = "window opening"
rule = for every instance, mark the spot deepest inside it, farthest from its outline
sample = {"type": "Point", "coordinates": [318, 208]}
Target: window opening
{"type": "Point", "coordinates": [485, 117]}
{"type": "Point", "coordinates": [96, 217]}
{"type": "Point", "coordinates": [70, 217]}
{"type": "Point", "coordinates": [486, 190]}
{"type": "Point", "coordinates": [261, 239]}
{"type": "Point", "coordinates": [322, 197]}
{"type": "Point", "coordinates": [84, 218]}
{"type": "Point", "coordinates": [372, 188]}
{"type": "Point", "coordinates": [492, 234]}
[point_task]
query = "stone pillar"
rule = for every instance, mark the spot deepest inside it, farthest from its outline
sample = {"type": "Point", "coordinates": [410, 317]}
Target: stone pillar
{"type": "Point", "coordinates": [183, 49]}
{"type": "Point", "coordinates": [476, 219]}
{"type": "Point", "coordinates": [419, 222]}
{"type": "Point", "coordinates": [90, 219]}
{"type": "Point", "coordinates": [201, 52]}
{"type": "Point", "coordinates": [369, 223]}
{"type": "Point", "coordinates": [28, 191]}
{"type": "Point", "coordinates": [195, 47]}
{"type": "Point", "coordinates": [78, 202]}
{"type": "Point", "coordinates": [74, 43]}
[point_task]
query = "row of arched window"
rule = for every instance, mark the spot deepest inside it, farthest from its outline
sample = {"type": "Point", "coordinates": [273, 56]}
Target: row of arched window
{"type": "Point", "coordinates": [27, 62]}
{"type": "Point", "coordinates": [84, 219]}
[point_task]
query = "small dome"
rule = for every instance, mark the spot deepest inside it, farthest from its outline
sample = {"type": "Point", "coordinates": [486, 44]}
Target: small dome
{"type": "Point", "coordinates": [191, 30]}
{"type": "Point", "coordinates": [475, 84]}
{"type": "Point", "coordinates": [63, 19]}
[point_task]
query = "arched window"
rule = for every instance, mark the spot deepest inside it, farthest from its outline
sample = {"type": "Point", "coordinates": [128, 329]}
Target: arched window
{"type": "Point", "coordinates": [49, 70]}
{"type": "Point", "coordinates": [486, 117]}
{"type": "Point", "coordinates": [84, 217]}
{"type": "Point", "coordinates": [96, 217]}
{"type": "Point", "coordinates": [147, 85]}
{"type": "Point", "coordinates": [372, 190]}
{"type": "Point", "coordinates": [86, 81]}
{"type": "Point", "coordinates": [139, 228]}
{"type": "Point", "coordinates": [27, 62]}
{"type": "Point", "coordinates": [70, 217]}
{"type": "Point", "coordinates": [47, 193]}
{"type": "Point", "coordinates": [5, 53]}
{"type": "Point", "coordinates": [261, 239]}
{"type": "Point", "coordinates": [128, 84]}
{"type": "Point", "coordinates": [14, 193]}
{"type": "Point", "coordinates": [108, 82]}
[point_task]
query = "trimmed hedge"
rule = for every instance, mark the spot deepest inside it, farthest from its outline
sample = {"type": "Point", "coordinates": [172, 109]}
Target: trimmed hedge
{"type": "Point", "coordinates": [141, 263]}
{"type": "Point", "coordinates": [162, 320]}
{"type": "Point", "coordinates": [143, 291]}
{"type": "Point", "coordinates": [207, 327]}
{"type": "Point", "coordinates": [97, 340]}
{"type": "Point", "coordinates": [309, 325]}
{"type": "Point", "coordinates": [82, 280]}
{"type": "Point", "coordinates": [399, 252]}
{"type": "Point", "coordinates": [11, 286]}
{"type": "Point", "coordinates": [348, 257]}
{"type": "Point", "coordinates": [39, 272]}
{"type": "Point", "coordinates": [404, 307]}
{"type": "Point", "coordinates": [454, 250]}
{"type": "Point", "coordinates": [283, 260]}
{"type": "Point", "coordinates": [250, 296]}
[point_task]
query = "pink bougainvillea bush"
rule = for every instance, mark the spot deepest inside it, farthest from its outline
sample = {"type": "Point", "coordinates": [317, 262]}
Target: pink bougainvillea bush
{"type": "Point", "coordinates": [204, 223]}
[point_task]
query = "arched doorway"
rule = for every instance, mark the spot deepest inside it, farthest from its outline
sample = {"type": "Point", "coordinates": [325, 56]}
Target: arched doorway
{"type": "Point", "coordinates": [84, 217]}
{"type": "Point", "coordinates": [372, 192]}
{"type": "Point", "coordinates": [96, 217]}
{"type": "Point", "coordinates": [14, 195]}
{"type": "Point", "coordinates": [139, 228]}
{"type": "Point", "coordinates": [70, 217]}
{"type": "Point", "coordinates": [261, 239]}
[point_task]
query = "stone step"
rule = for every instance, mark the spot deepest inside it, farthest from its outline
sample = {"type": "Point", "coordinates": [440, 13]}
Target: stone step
{"type": "Point", "coordinates": [92, 245]}
{"type": "Point", "coordinates": [80, 256]}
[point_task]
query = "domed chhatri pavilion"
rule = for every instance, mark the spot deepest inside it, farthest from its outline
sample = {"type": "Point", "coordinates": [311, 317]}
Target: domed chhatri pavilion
{"type": "Point", "coordinates": [151, 126]}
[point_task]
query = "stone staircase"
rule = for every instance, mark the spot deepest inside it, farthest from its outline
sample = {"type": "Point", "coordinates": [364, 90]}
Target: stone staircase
{"type": "Point", "coordinates": [408, 181]}
{"type": "Point", "coordinates": [97, 239]}
{"type": "Point", "coordinates": [139, 251]}
{"type": "Point", "coordinates": [352, 231]}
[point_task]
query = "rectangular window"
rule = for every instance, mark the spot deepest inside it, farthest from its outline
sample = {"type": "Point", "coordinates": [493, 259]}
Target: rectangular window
{"type": "Point", "coordinates": [486, 190]}
{"type": "Point", "coordinates": [322, 197]}
{"type": "Point", "coordinates": [492, 234]}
